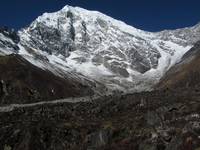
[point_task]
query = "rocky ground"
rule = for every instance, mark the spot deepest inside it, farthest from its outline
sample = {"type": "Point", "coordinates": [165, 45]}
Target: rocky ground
{"type": "Point", "coordinates": [160, 120]}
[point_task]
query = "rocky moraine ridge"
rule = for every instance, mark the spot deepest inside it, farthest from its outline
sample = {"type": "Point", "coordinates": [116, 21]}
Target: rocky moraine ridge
{"type": "Point", "coordinates": [65, 79]}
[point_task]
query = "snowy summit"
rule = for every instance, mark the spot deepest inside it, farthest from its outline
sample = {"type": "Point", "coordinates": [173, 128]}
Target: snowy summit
{"type": "Point", "coordinates": [100, 48]}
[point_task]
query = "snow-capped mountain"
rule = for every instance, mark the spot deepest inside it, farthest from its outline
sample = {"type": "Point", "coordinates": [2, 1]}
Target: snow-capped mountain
{"type": "Point", "coordinates": [101, 48]}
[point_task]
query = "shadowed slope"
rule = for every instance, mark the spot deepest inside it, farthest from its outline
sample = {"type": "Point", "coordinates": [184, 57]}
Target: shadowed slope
{"type": "Point", "coordinates": [184, 74]}
{"type": "Point", "coordinates": [21, 82]}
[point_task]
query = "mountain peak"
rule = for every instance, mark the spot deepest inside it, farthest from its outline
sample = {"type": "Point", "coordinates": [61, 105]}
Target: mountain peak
{"type": "Point", "coordinates": [197, 25]}
{"type": "Point", "coordinates": [66, 7]}
{"type": "Point", "coordinates": [79, 9]}
{"type": "Point", "coordinates": [103, 48]}
{"type": "Point", "coordinates": [89, 16]}
{"type": "Point", "coordinates": [71, 8]}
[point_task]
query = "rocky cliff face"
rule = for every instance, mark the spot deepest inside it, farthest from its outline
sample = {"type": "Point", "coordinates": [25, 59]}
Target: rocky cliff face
{"type": "Point", "coordinates": [8, 41]}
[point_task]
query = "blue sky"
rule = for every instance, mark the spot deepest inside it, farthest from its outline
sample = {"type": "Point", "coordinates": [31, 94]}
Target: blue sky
{"type": "Point", "coordinates": [149, 15]}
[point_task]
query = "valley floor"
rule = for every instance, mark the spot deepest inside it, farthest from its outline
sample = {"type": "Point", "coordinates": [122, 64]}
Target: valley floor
{"type": "Point", "coordinates": [159, 120]}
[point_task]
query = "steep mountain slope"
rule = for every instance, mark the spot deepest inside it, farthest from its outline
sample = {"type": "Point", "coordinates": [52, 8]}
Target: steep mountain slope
{"type": "Point", "coordinates": [184, 74]}
{"type": "Point", "coordinates": [25, 82]}
{"type": "Point", "coordinates": [8, 41]}
{"type": "Point", "coordinates": [22, 82]}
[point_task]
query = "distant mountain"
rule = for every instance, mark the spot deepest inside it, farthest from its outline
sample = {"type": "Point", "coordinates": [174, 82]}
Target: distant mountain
{"type": "Point", "coordinates": [99, 48]}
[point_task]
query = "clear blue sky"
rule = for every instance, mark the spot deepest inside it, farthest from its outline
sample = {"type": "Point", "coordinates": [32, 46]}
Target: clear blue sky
{"type": "Point", "coordinates": [150, 15]}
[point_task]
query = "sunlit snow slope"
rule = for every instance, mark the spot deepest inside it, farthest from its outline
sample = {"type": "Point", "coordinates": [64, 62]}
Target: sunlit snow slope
{"type": "Point", "coordinates": [101, 48]}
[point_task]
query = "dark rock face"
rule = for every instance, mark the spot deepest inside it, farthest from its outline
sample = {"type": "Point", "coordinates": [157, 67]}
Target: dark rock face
{"type": "Point", "coordinates": [10, 33]}
{"type": "Point", "coordinates": [21, 82]}
{"type": "Point", "coordinates": [12, 36]}
{"type": "Point", "coordinates": [99, 139]}
{"type": "Point", "coordinates": [141, 63]}
{"type": "Point", "coordinates": [53, 40]}
{"type": "Point", "coordinates": [118, 68]}
{"type": "Point", "coordinates": [47, 39]}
